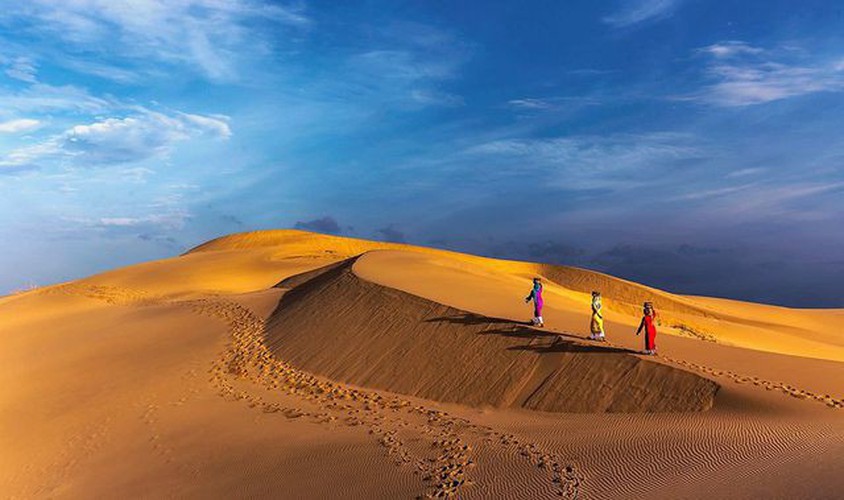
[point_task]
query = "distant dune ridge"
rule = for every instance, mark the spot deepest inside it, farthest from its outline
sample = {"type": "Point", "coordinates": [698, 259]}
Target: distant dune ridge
{"type": "Point", "coordinates": [292, 364]}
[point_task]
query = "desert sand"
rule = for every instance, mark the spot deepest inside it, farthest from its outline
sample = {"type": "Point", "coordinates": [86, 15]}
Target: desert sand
{"type": "Point", "coordinates": [288, 364]}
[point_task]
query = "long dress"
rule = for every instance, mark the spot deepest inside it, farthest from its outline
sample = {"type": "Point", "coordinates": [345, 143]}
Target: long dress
{"type": "Point", "coordinates": [536, 296]}
{"type": "Point", "coordinates": [649, 327]}
{"type": "Point", "coordinates": [597, 323]}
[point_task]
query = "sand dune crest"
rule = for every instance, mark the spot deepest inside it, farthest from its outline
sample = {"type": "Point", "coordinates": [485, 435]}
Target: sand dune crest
{"type": "Point", "coordinates": [335, 324]}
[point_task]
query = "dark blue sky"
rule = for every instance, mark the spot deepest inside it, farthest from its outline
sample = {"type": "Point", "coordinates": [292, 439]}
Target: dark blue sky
{"type": "Point", "coordinates": [693, 145]}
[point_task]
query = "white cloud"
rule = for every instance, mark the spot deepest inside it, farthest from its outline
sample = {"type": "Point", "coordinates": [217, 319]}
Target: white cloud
{"type": "Point", "coordinates": [120, 221]}
{"type": "Point", "coordinates": [209, 35]}
{"type": "Point", "coordinates": [404, 65]}
{"type": "Point", "coordinates": [107, 71]}
{"type": "Point", "coordinates": [796, 201]}
{"type": "Point", "coordinates": [171, 218]}
{"type": "Point", "coordinates": [730, 48]}
{"type": "Point", "coordinates": [743, 75]}
{"type": "Point", "coordinates": [551, 103]}
{"type": "Point", "coordinates": [712, 193]}
{"type": "Point", "coordinates": [21, 68]}
{"type": "Point", "coordinates": [109, 141]}
{"type": "Point", "coordinates": [436, 98]}
{"type": "Point", "coordinates": [42, 98]}
{"type": "Point", "coordinates": [136, 174]}
{"type": "Point", "coordinates": [410, 71]}
{"type": "Point", "coordinates": [19, 125]}
{"type": "Point", "coordinates": [530, 103]}
{"type": "Point", "coordinates": [588, 161]}
{"type": "Point", "coordinates": [174, 219]}
{"type": "Point", "coordinates": [27, 157]}
{"type": "Point", "coordinates": [634, 12]}
{"type": "Point", "coordinates": [123, 140]}
{"type": "Point", "coordinates": [217, 125]}
{"type": "Point", "coordinates": [745, 172]}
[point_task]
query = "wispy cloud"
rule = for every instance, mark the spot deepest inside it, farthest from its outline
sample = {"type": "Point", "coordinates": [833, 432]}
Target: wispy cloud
{"type": "Point", "coordinates": [21, 68]}
{"type": "Point", "coordinates": [591, 161]}
{"type": "Point", "coordinates": [407, 64]}
{"type": "Point", "coordinates": [740, 74]}
{"type": "Point", "coordinates": [403, 65]}
{"type": "Point", "coordinates": [43, 98]}
{"type": "Point", "coordinates": [796, 201]}
{"type": "Point", "coordinates": [635, 12]}
{"type": "Point", "coordinates": [775, 200]}
{"type": "Point", "coordinates": [142, 135]}
{"type": "Point", "coordinates": [436, 98]}
{"type": "Point", "coordinates": [208, 35]}
{"type": "Point", "coordinates": [712, 193]}
{"type": "Point", "coordinates": [406, 74]}
{"type": "Point", "coordinates": [111, 72]}
{"type": "Point", "coordinates": [745, 172]}
{"type": "Point", "coordinates": [155, 225]}
{"type": "Point", "coordinates": [169, 220]}
{"type": "Point", "coordinates": [19, 125]}
{"type": "Point", "coordinates": [530, 103]}
{"type": "Point", "coordinates": [550, 103]}
{"type": "Point", "coordinates": [730, 48]}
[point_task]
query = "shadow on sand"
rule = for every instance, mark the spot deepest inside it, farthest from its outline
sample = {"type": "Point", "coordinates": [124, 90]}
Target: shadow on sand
{"type": "Point", "coordinates": [474, 319]}
{"type": "Point", "coordinates": [561, 342]}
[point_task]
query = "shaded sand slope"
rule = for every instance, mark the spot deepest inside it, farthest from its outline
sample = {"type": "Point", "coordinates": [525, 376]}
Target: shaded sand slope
{"type": "Point", "coordinates": [333, 323]}
{"type": "Point", "coordinates": [500, 294]}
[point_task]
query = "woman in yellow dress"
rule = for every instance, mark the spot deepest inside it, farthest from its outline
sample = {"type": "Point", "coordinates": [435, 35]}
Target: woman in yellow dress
{"type": "Point", "coordinates": [597, 323]}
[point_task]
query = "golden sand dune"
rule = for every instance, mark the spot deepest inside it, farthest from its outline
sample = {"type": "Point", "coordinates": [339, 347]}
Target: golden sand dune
{"type": "Point", "coordinates": [462, 278]}
{"type": "Point", "coordinates": [294, 365]}
{"type": "Point", "coordinates": [338, 325]}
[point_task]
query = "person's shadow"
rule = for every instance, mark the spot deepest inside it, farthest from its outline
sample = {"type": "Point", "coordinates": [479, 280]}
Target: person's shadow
{"type": "Point", "coordinates": [563, 342]}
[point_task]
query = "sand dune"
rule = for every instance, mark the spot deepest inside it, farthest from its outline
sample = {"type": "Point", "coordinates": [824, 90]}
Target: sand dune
{"type": "Point", "coordinates": [802, 332]}
{"type": "Point", "coordinates": [295, 365]}
{"type": "Point", "coordinates": [337, 325]}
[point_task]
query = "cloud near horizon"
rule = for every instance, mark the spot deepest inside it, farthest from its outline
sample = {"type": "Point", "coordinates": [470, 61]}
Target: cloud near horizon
{"type": "Point", "coordinates": [325, 224]}
{"type": "Point", "coordinates": [392, 235]}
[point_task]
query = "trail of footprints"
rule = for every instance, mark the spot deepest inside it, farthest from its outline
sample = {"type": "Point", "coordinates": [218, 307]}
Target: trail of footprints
{"type": "Point", "coordinates": [738, 378]}
{"type": "Point", "coordinates": [767, 384]}
{"type": "Point", "coordinates": [444, 467]}
{"type": "Point", "coordinates": [109, 294]}
{"type": "Point", "coordinates": [688, 331]}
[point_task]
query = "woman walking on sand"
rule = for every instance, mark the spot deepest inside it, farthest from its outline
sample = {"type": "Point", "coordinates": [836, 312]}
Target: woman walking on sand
{"type": "Point", "coordinates": [648, 324]}
{"type": "Point", "coordinates": [597, 324]}
{"type": "Point", "coordinates": [536, 296]}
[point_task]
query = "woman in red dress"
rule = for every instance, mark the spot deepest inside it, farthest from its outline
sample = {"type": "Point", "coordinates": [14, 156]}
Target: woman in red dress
{"type": "Point", "coordinates": [648, 324]}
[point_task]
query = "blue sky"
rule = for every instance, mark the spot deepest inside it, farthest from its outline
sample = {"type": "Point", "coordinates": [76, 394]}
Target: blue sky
{"type": "Point", "coordinates": [693, 145]}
